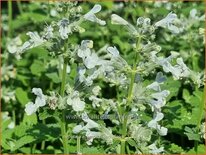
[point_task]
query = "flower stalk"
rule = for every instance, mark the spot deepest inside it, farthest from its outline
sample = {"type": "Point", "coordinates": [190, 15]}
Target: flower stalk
{"type": "Point", "coordinates": [129, 97]}
{"type": "Point", "coordinates": [78, 144]}
{"type": "Point", "coordinates": [63, 123]}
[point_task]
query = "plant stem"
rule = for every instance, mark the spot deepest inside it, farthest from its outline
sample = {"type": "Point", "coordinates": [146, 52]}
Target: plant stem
{"type": "Point", "coordinates": [129, 97]}
{"type": "Point", "coordinates": [43, 142]}
{"type": "Point", "coordinates": [19, 6]}
{"type": "Point", "coordinates": [10, 17]}
{"type": "Point", "coordinates": [64, 72]}
{"type": "Point", "coordinates": [122, 146]}
{"type": "Point", "coordinates": [14, 117]}
{"type": "Point", "coordinates": [128, 150]}
{"type": "Point", "coordinates": [78, 144]}
{"type": "Point", "coordinates": [63, 123]}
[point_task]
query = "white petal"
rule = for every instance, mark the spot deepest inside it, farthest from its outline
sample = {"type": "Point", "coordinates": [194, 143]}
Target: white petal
{"type": "Point", "coordinates": [193, 13]}
{"type": "Point", "coordinates": [90, 123]}
{"type": "Point", "coordinates": [37, 91]}
{"type": "Point", "coordinates": [78, 105]}
{"type": "Point", "coordinates": [155, 86]}
{"type": "Point", "coordinates": [91, 15]}
{"type": "Point", "coordinates": [118, 20]}
{"type": "Point", "coordinates": [113, 51]}
{"type": "Point", "coordinates": [97, 8]}
{"type": "Point", "coordinates": [30, 108]}
{"type": "Point", "coordinates": [174, 29]}
{"type": "Point", "coordinates": [159, 116]}
{"type": "Point", "coordinates": [91, 61]}
{"type": "Point", "coordinates": [77, 129]}
{"type": "Point", "coordinates": [162, 130]}
{"type": "Point", "coordinates": [40, 100]}
{"type": "Point", "coordinates": [167, 21]}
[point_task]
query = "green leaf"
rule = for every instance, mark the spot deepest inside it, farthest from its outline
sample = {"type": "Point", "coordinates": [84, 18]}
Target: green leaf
{"type": "Point", "coordinates": [186, 95]}
{"type": "Point", "coordinates": [54, 77]}
{"type": "Point", "coordinates": [30, 120]}
{"type": "Point", "coordinates": [23, 141]}
{"type": "Point", "coordinates": [132, 142]}
{"type": "Point", "coordinates": [20, 130]}
{"type": "Point", "coordinates": [92, 150]}
{"type": "Point", "coordinates": [46, 113]}
{"type": "Point", "coordinates": [22, 96]}
{"type": "Point", "coordinates": [192, 134]}
{"type": "Point", "coordinates": [42, 132]}
{"type": "Point", "coordinates": [37, 68]}
{"type": "Point", "coordinates": [200, 150]}
{"type": "Point", "coordinates": [174, 148]}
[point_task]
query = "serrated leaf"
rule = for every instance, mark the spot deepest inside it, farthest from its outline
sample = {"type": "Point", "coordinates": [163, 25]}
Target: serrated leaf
{"type": "Point", "coordinates": [22, 96]}
{"type": "Point", "coordinates": [191, 134]}
{"type": "Point", "coordinates": [46, 113]}
{"type": "Point", "coordinates": [42, 132]}
{"type": "Point", "coordinates": [174, 148]}
{"type": "Point", "coordinates": [186, 95]}
{"type": "Point", "coordinates": [23, 141]}
{"type": "Point", "coordinates": [54, 77]}
{"type": "Point", "coordinates": [37, 68]}
{"type": "Point", "coordinates": [132, 142]}
{"type": "Point", "coordinates": [30, 120]}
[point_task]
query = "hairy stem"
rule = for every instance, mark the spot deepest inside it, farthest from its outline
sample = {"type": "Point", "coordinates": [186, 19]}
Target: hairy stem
{"type": "Point", "coordinates": [78, 144]}
{"type": "Point", "coordinates": [129, 97]}
{"type": "Point", "coordinates": [122, 146]}
{"type": "Point", "coordinates": [132, 79]}
{"type": "Point", "coordinates": [63, 122]}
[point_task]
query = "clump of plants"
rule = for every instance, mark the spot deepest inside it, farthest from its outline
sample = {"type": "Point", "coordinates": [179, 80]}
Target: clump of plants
{"type": "Point", "coordinates": [131, 120]}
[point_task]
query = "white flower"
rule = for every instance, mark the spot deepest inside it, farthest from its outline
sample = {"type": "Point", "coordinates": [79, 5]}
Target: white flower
{"type": "Point", "coordinates": [81, 76]}
{"type": "Point", "coordinates": [14, 45]}
{"type": "Point", "coordinates": [90, 59]}
{"type": "Point", "coordinates": [40, 101]}
{"type": "Point", "coordinates": [30, 108]}
{"type": "Point", "coordinates": [154, 150]}
{"type": "Point", "coordinates": [118, 20]}
{"type": "Point", "coordinates": [159, 99]}
{"type": "Point", "coordinates": [77, 129]}
{"type": "Point", "coordinates": [64, 28]}
{"type": "Point", "coordinates": [91, 15]}
{"type": "Point", "coordinates": [90, 123]}
{"type": "Point", "coordinates": [193, 13]}
{"type": "Point", "coordinates": [155, 86]}
{"type": "Point", "coordinates": [34, 41]}
{"type": "Point", "coordinates": [168, 22]}
{"type": "Point", "coordinates": [96, 90]}
{"type": "Point", "coordinates": [84, 49]}
{"type": "Point", "coordinates": [75, 102]}
{"type": "Point", "coordinates": [91, 135]}
{"type": "Point", "coordinates": [113, 51]}
{"type": "Point", "coordinates": [78, 105]}
{"type": "Point", "coordinates": [154, 124]}
{"type": "Point", "coordinates": [48, 32]}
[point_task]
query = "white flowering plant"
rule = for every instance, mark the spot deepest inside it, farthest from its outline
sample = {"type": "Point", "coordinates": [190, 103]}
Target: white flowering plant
{"type": "Point", "coordinates": [97, 82]}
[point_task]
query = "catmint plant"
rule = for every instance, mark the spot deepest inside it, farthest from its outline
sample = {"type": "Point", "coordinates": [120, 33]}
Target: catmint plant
{"type": "Point", "coordinates": [136, 115]}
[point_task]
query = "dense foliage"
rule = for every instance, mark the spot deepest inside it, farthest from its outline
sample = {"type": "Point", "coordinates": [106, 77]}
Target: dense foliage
{"type": "Point", "coordinates": [107, 77]}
